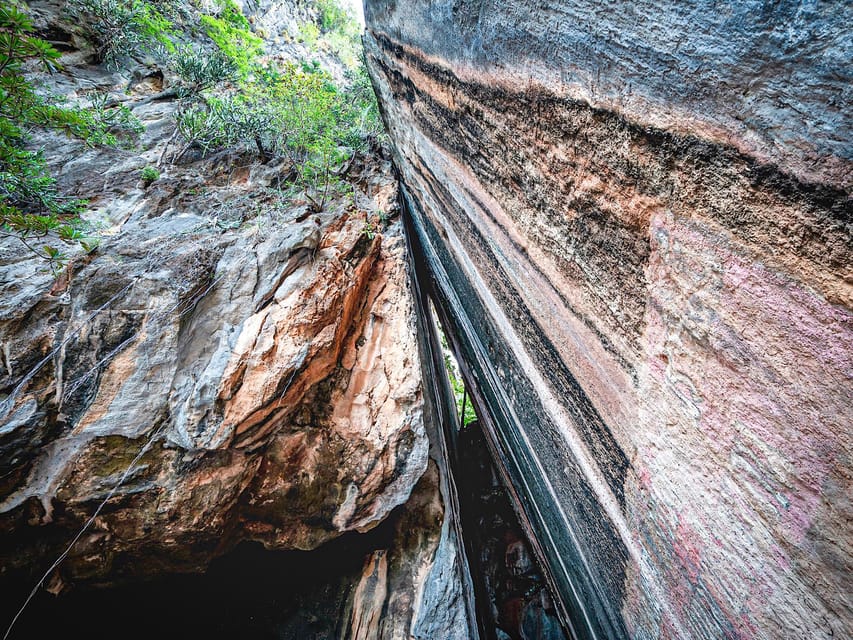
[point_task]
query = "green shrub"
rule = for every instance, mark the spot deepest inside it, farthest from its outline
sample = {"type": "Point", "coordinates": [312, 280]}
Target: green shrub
{"type": "Point", "coordinates": [309, 33]}
{"type": "Point", "coordinates": [248, 119]}
{"type": "Point", "coordinates": [309, 111]}
{"type": "Point", "coordinates": [200, 69]}
{"type": "Point", "coordinates": [464, 405]}
{"type": "Point", "coordinates": [293, 109]}
{"type": "Point", "coordinates": [231, 32]}
{"type": "Point", "coordinates": [149, 175]}
{"type": "Point", "coordinates": [120, 28]}
{"type": "Point", "coordinates": [332, 17]}
{"type": "Point", "coordinates": [364, 123]}
{"type": "Point", "coordinates": [200, 128]}
{"type": "Point", "coordinates": [227, 121]}
{"type": "Point", "coordinates": [108, 122]}
{"type": "Point", "coordinates": [335, 31]}
{"type": "Point", "coordinates": [31, 207]}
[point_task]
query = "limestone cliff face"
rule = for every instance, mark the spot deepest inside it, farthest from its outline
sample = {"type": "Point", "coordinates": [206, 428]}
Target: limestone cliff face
{"type": "Point", "coordinates": [227, 366]}
{"type": "Point", "coordinates": [637, 221]}
{"type": "Point", "coordinates": [274, 373]}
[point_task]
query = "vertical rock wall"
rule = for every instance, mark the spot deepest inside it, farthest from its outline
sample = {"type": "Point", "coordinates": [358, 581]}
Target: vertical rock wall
{"type": "Point", "coordinates": [638, 225]}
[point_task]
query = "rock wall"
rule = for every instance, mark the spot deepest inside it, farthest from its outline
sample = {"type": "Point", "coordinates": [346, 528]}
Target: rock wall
{"type": "Point", "coordinates": [637, 222]}
{"type": "Point", "coordinates": [261, 367]}
{"type": "Point", "coordinates": [229, 365]}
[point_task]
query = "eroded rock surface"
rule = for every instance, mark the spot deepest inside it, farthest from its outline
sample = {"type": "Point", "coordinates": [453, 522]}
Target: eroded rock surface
{"type": "Point", "coordinates": [229, 367]}
{"type": "Point", "coordinates": [638, 222]}
{"type": "Point", "coordinates": [276, 376]}
{"type": "Point", "coordinates": [257, 359]}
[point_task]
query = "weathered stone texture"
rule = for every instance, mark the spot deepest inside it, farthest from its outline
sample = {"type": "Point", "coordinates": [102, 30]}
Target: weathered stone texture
{"type": "Point", "coordinates": [229, 365]}
{"type": "Point", "coordinates": [638, 221]}
{"type": "Point", "coordinates": [263, 353]}
{"type": "Point", "coordinates": [280, 385]}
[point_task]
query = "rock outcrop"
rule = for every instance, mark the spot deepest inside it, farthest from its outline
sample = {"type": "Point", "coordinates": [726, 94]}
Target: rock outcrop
{"type": "Point", "coordinates": [637, 223]}
{"type": "Point", "coordinates": [229, 365]}
{"type": "Point", "coordinates": [270, 374]}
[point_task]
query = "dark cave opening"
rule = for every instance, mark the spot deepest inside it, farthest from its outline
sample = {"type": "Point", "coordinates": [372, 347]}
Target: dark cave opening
{"type": "Point", "coordinates": [247, 593]}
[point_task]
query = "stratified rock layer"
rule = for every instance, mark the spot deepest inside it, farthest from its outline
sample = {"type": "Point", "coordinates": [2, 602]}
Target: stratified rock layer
{"type": "Point", "coordinates": [638, 224]}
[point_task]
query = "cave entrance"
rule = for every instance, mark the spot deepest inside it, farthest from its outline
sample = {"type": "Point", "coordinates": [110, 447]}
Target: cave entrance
{"type": "Point", "coordinates": [249, 592]}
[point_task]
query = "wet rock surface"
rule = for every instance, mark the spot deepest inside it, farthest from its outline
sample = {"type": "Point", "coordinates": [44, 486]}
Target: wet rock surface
{"type": "Point", "coordinates": [644, 265]}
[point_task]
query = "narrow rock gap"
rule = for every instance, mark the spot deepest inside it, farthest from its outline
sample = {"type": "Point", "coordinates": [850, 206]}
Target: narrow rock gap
{"type": "Point", "coordinates": [512, 597]}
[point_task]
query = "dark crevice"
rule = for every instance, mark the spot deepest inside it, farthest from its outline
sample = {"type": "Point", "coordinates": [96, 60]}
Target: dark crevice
{"type": "Point", "coordinates": [513, 599]}
{"type": "Point", "coordinates": [248, 593]}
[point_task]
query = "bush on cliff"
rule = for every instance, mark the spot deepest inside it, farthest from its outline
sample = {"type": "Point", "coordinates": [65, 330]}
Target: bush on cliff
{"type": "Point", "coordinates": [120, 28]}
{"type": "Point", "coordinates": [232, 34]}
{"type": "Point", "coordinates": [31, 207]}
{"type": "Point", "coordinates": [230, 94]}
{"type": "Point", "coordinates": [279, 108]}
{"type": "Point", "coordinates": [200, 69]}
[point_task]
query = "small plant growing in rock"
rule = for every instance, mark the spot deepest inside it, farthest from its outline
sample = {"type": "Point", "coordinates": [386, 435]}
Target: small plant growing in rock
{"type": "Point", "coordinates": [200, 69]}
{"type": "Point", "coordinates": [368, 230]}
{"type": "Point", "coordinates": [149, 175]}
{"type": "Point", "coordinates": [374, 224]}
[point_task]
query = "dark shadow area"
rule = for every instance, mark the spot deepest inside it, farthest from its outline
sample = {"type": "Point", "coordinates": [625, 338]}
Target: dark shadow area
{"type": "Point", "coordinates": [248, 593]}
